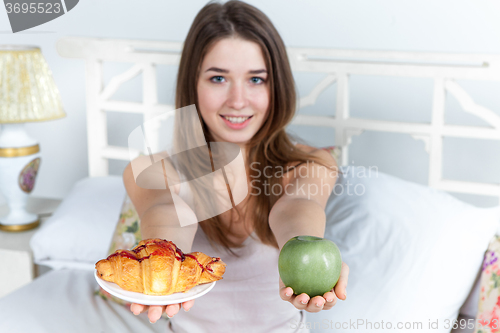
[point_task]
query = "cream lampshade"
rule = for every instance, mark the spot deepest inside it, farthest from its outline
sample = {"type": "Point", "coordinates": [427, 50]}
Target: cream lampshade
{"type": "Point", "coordinates": [27, 94]}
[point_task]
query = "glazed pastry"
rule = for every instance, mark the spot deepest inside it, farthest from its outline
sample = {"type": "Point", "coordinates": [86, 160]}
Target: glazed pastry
{"type": "Point", "coordinates": [158, 267]}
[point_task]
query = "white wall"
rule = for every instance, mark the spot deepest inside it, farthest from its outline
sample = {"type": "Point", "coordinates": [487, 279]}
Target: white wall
{"type": "Point", "coordinates": [423, 25]}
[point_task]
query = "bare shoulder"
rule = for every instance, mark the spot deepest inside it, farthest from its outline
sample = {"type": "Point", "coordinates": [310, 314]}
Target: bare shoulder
{"type": "Point", "coordinates": [318, 177]}
{"type": "Point", "coordinates": [323, 155]}
{"type": "Point", "coordinates": [325, 170]}
{"type": "Point", "coordinates": [145, 182]}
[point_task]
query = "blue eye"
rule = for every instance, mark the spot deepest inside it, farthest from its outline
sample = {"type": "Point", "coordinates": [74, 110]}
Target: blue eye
{"type": "Point", "coordinates": [217, 79]}
{"type": "Point", "coordinates": [257, 80]}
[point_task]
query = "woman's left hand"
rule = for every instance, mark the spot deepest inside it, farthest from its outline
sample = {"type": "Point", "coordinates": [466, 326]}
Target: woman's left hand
{"type": "Point", "coordinates": [317, 303]}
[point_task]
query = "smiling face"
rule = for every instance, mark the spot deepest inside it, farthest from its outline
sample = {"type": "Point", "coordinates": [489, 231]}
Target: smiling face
{"type": "Point", "coordinates": [233, 90]}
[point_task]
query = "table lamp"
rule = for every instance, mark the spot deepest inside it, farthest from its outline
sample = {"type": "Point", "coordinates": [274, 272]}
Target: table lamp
{"type": "Point", "coordinates": [27, 94]}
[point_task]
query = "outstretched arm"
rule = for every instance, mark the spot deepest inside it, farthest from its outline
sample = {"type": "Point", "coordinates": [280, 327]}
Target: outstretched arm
{"type": "Point", "coordinates": [154, 204]}
{"type": "Point", "coordinates": [301, 211]}
{"type": "Point", "coordinates": [159, 219]}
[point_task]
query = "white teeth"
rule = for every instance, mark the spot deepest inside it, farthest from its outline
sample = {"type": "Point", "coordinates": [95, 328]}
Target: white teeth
{"type": "Point", "coordinates": [236, 120]}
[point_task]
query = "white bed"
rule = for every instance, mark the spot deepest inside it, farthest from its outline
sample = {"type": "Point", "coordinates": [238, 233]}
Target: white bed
{"type": "Point", "coordinates": [62, 300]}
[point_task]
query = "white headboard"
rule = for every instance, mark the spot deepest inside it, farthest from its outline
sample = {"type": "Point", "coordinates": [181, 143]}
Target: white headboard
{"type": "Point", "coordinates": [443, 69]}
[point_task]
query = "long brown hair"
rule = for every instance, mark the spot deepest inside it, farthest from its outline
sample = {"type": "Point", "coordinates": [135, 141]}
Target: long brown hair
{"type": "Point", "coordinates": [270, 146]}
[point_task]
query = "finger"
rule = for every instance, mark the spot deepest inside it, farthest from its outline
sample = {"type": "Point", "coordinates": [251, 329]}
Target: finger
{"type": "Point", "coordinates": [154, 313]}
{"type": "Point", "coordinates": [315, 304]}
{"type": "Point", "coordinates": [330, 299]}
{"type": "Point", "coordinates": [301, 301]}
{"type": "Point", "coordinates": [286, 293]}
{"type": "Point", "coordinates": [340, 287]}
{"type": "Point", "coordinates": [137, 308]}
{"type": "Point", "coordinates": [172, 309]}
{"type": "Point", "coordinates": [188, 305]}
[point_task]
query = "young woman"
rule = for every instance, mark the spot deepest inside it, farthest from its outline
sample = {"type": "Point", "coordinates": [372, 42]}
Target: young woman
{"type": "Point", "coordinates": [234, 69]}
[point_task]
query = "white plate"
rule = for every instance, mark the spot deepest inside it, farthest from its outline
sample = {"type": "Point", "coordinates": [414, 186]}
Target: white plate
{"type": "Point", "coordinates": [140, 298]}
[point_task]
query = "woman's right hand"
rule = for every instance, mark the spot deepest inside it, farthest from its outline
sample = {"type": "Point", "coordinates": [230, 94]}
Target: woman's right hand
{"type": "Point", "coordinates": [155, 311]}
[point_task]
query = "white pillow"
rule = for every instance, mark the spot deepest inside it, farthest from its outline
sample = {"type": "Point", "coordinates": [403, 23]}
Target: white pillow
{"type": "Point", "coordinates": [413, 253]}
{"type": "Point", "coordinates": [79, 232]}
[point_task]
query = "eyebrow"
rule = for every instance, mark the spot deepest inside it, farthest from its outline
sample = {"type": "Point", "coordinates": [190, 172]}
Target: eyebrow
{"type": "Point", "coordinates": [220, 70]}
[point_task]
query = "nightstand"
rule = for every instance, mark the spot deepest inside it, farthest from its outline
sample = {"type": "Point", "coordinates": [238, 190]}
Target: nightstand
{"type": "Point", "coordinates": [16, 259]}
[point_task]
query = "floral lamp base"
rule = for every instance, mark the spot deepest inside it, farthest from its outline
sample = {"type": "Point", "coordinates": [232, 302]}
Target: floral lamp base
{"type": "Point", "coordinates": [19, 222]}
{"type": "Point", "coordinates": [18, 170]}
{"type": "Point", "coordinates": [17, 178]}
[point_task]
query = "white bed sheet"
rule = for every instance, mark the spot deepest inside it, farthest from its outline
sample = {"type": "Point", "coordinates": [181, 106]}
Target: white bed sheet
{"type": "Point", "coordinates": [64, 301]}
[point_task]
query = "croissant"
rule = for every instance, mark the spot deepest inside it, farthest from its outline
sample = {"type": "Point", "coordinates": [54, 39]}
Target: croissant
{"type": "Point", "coordinates": [158, 267]}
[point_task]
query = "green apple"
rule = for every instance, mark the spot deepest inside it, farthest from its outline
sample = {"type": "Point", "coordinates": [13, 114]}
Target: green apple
{"type": "Point", "coordinates": [310, 265]}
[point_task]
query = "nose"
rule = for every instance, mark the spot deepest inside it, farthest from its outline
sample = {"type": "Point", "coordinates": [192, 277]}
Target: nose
{"type": "Point", "coordinates": [237, 96]}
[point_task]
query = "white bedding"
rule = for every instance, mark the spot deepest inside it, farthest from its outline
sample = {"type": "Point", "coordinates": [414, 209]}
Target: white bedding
{"type": "Point", "coordinates": [393, 217]}
{"type": "Point", "coordinates": [63, 301]}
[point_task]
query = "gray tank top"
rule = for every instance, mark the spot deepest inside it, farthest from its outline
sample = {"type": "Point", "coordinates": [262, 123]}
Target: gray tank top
{"type": "Point", "coordinates": [246, 299]}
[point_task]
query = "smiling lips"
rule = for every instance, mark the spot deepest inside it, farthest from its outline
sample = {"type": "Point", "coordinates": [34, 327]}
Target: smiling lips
{"type": "Point", "coordinates": [236, 122]}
